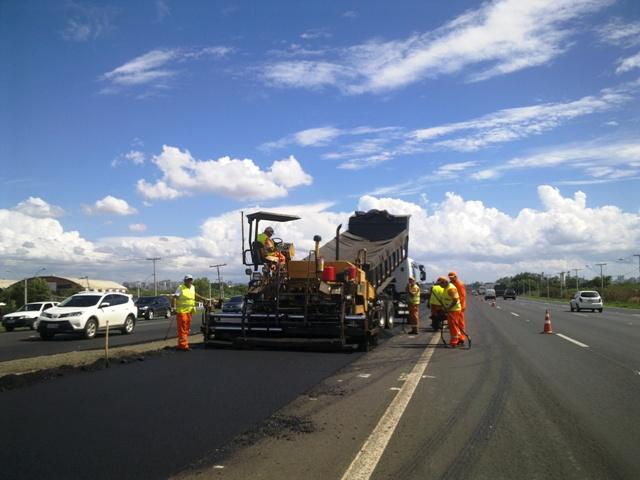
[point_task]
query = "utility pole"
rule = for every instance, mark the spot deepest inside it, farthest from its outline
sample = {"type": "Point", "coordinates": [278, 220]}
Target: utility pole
{"type": "Point", "coordinates": [601, 277]}
{"type": "Point", "coordinates": [155, 285]}
{"type": "Point", "coordinates": [577, 281]}
{"type": "Point", "coordinates": [220, 289]}
{"type": "Point", "coordinates": [638, 266]}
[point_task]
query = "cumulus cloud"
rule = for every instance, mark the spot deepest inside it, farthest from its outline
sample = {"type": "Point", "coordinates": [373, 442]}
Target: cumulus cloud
{"type": "Point", "coordinates": [233, 178]}
{"type": "Point", "coordinates": [499, 37]}
{"type": "Point", "coordinates": [134, 156]}
{"type": "Point", "coordinates": [31, 238]}
{"type": "Point", "coordinates": [482, 242]}
{"type": "Point", "coordinates": [37, 207]}
{"type": "Point", "coordinates": [109, 205]}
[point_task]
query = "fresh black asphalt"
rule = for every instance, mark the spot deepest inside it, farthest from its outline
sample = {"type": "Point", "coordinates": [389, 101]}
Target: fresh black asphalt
{"type": "Point", "coordinates": [151, 418]}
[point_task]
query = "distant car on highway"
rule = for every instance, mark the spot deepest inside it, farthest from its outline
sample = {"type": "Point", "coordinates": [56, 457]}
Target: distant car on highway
{"type": "Point", "coordinates": [489, 294]}
{"type": "Point", "coordinates": [149, 307]}
{"type": "Point", "coordinates": [509, 293]}
{"type": "Point", "coordinates": [26, 316]}
{"type": "Point", "coordinates": [88, 312]}
{"type": "Point", "coordinates": [586, 300]}
{"type": "Point", "coordinates": [233, 305]}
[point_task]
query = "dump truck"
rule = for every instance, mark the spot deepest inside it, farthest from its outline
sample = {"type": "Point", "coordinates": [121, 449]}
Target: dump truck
{"type": "Point", "coordinates": [340, 295]}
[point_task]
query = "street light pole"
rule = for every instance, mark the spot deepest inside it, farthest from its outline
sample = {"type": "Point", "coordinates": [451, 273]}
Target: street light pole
{"type": "Point", "coordinates": [25, 284]}
{"type": "Point", "coordinates": [220, 290]}
{"type": "Point", "coordinates": [577, 281]}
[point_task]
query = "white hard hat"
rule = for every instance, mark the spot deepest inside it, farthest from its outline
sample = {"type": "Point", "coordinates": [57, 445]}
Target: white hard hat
{"type": "Point", "coordinates": [188, 277]}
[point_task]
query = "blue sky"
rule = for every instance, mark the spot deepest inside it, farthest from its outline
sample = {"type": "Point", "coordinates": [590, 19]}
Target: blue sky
{"type": "Point", "coordinates": [507, 129]}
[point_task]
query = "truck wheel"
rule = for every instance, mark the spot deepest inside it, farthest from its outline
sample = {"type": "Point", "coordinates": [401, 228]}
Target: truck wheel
{"type": "Point", "coordinates": [391, 315]}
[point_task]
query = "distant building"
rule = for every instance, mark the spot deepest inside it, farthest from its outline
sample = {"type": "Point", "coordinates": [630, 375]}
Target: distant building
{"type": "Point", "coordinates": [58, 284]}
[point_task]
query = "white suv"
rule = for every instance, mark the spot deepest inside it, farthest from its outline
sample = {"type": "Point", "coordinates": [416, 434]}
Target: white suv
{"type": "Point", "coordinates": [26, 316]}
{"type": "Point", "coordinates": [88, 312]}
{"type": "Point", "coordinates": [586, 299]}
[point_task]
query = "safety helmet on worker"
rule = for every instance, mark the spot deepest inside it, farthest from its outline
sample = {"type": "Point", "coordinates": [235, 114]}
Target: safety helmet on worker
{"type": "Point", "coordinates": [188, 277]}
{"type": "Point", "coordinates": [453, 275]}
{"type": "Point", "coordinates": [442, 280]}
{"type": "Point", "coordinates": [268, 230]}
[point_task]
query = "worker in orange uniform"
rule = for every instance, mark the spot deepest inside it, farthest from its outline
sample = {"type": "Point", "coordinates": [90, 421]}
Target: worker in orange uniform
{"type": "Point", "coordinates": [413, 299]}
{"type": "Point", "coordinates": [438, 314]}
{"type": "Point", "coordinates": [462, 293]}
{"type": "Point", "coordinates": [269, 251]}
{"type": "Point", "coordinates": [453, 308]}
{"type": "Point", "coordinates": [184, 303]}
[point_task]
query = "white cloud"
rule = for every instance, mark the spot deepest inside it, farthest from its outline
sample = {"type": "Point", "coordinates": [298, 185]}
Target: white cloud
{"type": "Point", "coordinates": [85, 22]}
{"type": "Point", "coordinates": [482, 242]}
{"type": "Point", "coordinates": [109, 205]}
{"type": "Point", "coordinates": [621, 33]}
{"type": "Point", "coordinates": [629, 63]}
{"type": "Point", "coordinates": [162, 10]}
{"type": "Point", "coordinates": [515, 123]}
{"type": "Point", "coordinates": [498, 38]}
{"type": "Point", "coordinates": [138, 227]}
{"type": "Point", "coordinates": [37, 207]}
{"type": "Point", "coordinates": [134, 156]}
{"type": "Point", "coordinates": [156, 67]}
{"type": "Point", "coordinates": [32, 240]}
{"type": "Point", "coordinates": [233, 178]}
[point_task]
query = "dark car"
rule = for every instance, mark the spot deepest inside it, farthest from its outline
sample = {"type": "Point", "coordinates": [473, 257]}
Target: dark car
{"type": "Point", "coordinates": [233, 305]}
{"type": "Point", "coordinates": [149, 307]}
{"type": "Point", "coordinates": [509, 293]}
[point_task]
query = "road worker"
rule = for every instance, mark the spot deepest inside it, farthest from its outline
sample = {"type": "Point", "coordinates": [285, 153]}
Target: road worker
{"type": "Point", "coordinates": [438, 314]}
{"type": "Point", "coordinates": [462, 293]}
{"type": "Point", "coordinates": [413, 299]}
{"type": "Point", "coordinates": [184, 303]}
{"type": "Point", "coordinates": [453, 308]}
{"type": "Point", "coordinates": [268, 251]}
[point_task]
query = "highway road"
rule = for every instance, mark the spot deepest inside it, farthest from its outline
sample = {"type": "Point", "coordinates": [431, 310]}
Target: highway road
{"type": "Point", "coordinates": [25, 343]}
{"type": "Point", "coordinates": [518, 404]}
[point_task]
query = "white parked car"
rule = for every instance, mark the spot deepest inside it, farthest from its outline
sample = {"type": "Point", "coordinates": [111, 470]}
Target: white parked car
{"type": "Point", "coordinates": [26, 316]}
{"type": "Point", "coordinates": [586, 300]}
{"type": "Point", "coordinates": [87, 313]}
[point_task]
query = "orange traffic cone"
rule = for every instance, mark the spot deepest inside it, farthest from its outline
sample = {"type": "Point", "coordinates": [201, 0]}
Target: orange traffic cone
{"type": "Point", "coordinates": [547, 322]}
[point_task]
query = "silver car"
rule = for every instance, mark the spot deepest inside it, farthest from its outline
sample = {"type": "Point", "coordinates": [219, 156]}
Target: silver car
{"type": "Point", "coordinates": [586, 300]}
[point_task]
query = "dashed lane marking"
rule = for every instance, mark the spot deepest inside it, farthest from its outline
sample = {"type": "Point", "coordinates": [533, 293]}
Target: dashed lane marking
{"type": "Point", "coordinates": [364, 375]}
{"type": "Point", "coordinates": [569, 339]}
{"type": "Point", "coordinates": [367, 458]}
{"type": "Point", "coordinates": [515, 314]}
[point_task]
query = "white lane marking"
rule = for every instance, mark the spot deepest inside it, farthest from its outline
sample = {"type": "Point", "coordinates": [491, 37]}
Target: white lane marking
{"type": "Point", "coordinates": [580, 314]}
{"type": "Point", "coordinates": [395, 388]}
{"type": "Point", "coordinates": [569, 339]}
{"type": "Point", "coordinates": [367, 458]}
{"type": "Point", "coordinates": [364, 375]}
{"type": "Point", "coordinates": [515, 314]}
{"type": "Point", "coordinates": [218, 467]}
